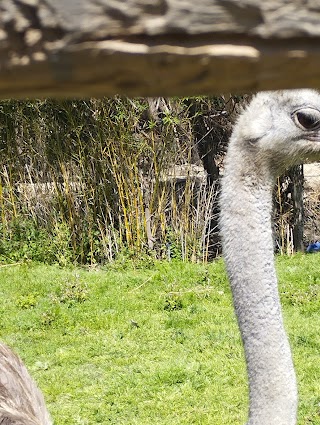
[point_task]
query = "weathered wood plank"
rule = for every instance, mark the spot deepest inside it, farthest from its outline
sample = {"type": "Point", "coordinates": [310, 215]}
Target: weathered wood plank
{"type": "Point", "coordinates": [156, 47]}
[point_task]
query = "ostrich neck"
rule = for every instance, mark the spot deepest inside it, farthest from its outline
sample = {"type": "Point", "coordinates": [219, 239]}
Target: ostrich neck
{"type": "Point", "coordinates": [246, 206]}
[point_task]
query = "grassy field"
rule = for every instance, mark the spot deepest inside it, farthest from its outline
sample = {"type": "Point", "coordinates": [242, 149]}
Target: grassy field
{"type": "Point", "coordinates": [150, 345]}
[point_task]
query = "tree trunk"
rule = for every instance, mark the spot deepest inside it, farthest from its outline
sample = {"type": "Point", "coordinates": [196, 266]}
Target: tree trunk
{"type": "Point", "coordinates": [297, 177]}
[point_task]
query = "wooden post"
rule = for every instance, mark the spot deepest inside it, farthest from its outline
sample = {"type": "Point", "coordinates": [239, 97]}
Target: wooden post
{"type": "Point", "coordinates": [80, 48]}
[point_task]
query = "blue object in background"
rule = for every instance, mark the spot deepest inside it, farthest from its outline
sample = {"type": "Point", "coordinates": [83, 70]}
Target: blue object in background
{"type": "Point", "coordinates": [313, 247]}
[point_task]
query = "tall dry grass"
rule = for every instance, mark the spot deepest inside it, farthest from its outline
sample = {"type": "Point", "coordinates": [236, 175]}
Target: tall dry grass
{"type": "Point", "coordinates": [92, 180]}
{"type": "Point", "coordinates": [101, 177]}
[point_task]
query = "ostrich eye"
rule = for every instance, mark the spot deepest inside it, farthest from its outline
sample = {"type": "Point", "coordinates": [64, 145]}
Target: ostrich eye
{"type": "Point", "coordinates": [307, 119]}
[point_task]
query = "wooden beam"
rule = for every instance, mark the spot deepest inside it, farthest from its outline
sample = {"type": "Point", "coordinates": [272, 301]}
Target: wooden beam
{"type": "Point", "coordinates": [80, 48]}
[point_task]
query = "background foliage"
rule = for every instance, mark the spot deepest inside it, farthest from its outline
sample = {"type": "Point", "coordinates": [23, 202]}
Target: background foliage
{"type": "Point", "coordinates": [87, 181]}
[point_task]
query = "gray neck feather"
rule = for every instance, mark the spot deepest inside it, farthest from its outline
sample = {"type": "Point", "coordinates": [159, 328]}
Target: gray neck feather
{"type": "Point", "coordinates": [246, 206]}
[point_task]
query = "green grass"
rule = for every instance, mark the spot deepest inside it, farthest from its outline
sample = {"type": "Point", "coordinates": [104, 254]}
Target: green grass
{"type": "Point", "coordinates": [157, 345]}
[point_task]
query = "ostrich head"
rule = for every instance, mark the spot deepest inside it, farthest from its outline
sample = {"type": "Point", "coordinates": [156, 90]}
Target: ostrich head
{"type": "Point", "coordinates": [280, 129]}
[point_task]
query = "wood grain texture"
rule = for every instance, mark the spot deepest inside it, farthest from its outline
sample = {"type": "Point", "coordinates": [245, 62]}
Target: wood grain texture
{"type": "Point", "coordinates": [156, 47]}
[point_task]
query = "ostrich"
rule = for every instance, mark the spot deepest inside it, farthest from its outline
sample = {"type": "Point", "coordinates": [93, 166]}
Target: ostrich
{"type": "Point", "coordinates": [275, 131]}
{"type": "Point", "coordinates": [21, 402]}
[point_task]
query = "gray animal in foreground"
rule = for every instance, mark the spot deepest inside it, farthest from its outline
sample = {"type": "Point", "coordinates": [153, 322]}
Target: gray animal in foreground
{"type": "Point", "coordinates": [21, 402]}
{"type": "Point", "coordinates": [275, 131]}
